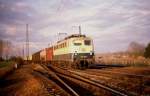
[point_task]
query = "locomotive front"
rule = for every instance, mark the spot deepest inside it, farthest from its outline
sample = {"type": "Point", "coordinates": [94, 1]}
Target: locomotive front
{"type": "Point", "coordinates": [83, 51]}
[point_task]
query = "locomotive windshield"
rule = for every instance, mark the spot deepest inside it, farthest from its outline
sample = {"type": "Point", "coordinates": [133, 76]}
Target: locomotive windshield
{"type": "Point", "coordinates": [87, 42]}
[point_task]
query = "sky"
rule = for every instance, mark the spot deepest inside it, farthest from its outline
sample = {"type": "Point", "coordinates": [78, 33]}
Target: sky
{"type": "Point", "coordinates": [112, 24]}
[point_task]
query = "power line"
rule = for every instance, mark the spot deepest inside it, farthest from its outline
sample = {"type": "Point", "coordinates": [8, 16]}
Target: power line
{"type": "Point", "coordinates": [79, 28]}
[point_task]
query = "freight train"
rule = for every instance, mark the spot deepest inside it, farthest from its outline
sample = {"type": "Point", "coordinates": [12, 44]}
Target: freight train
{"type": "Point", "coordinates": [75, 51]}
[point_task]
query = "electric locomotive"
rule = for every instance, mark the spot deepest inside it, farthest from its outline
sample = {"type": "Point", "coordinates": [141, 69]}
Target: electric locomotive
{"type": "Point", "coordinates": [75, 51]}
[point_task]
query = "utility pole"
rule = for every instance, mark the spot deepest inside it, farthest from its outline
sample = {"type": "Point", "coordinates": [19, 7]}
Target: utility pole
{"type": "Point", "coordinates": [23, 51]}
{"type": "Point", "coordinates": [27, 42]}
{"type": "Point", "coordinates": [7, 49]}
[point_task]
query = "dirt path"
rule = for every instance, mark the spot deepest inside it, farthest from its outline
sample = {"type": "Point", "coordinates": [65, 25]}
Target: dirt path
{"type": "Point", "coordinates": [25, 82]}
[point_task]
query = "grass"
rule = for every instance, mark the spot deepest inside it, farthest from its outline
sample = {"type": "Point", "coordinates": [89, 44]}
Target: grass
{"type": "Point", "coordinates": [5, 63]}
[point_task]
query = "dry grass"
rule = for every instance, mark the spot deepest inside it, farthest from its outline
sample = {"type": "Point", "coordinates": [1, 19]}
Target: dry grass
{"type": "Point", "coordinates": [25, 81]}
{"type": "Point", "coordinates": [6, 67]}
{"type": "Point", "coordinates": [22, 83]}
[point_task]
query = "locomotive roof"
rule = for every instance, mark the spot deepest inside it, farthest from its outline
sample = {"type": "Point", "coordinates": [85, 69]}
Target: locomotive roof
{"type": "Point", "coordinates": [72, 36]}
{"type": "Point", "coordinates": [75, 35]}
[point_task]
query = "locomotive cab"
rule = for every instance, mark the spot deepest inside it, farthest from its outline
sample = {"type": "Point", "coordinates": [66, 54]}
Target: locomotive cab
{"type": "Point", "coordinates": [82, 48]}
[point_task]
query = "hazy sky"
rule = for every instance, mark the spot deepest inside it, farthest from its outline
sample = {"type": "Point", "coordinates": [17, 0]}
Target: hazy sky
{"type": "Point", "coordinates": [113, 24]}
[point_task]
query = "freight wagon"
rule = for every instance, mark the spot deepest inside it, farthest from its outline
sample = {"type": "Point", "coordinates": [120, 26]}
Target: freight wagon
{"type": "Point", "coordinates": [36, 57]}
{"type": "Point", "coordinates": [49, 54]}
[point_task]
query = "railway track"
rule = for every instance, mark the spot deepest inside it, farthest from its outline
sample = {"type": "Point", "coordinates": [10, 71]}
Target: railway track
{"type": "Point", "coordinates": [92, 87]}
{"type": "Point", "coordinates": [51, 75]}
{"type": "Point", "coordinates": [90, 82]}
{"type": "Point", "coordinates": [131, 83]}
{"type": "Point", "coordinates": [118, 73]}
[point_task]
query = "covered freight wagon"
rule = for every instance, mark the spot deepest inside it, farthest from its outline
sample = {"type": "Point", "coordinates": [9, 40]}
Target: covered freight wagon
{"type": "Point", "coordinates": [49, 54]}
{"type": "Point", "coordinates": [36, 57]}
{"type": "Point", "coordinates": [43, 55]}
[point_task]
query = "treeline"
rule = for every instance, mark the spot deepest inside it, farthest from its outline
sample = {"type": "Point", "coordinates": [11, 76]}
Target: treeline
{"type": "Point", "coordinates": [9, 49]}
{"type": "Point", "coordinates": [147, 51]}
{"type": "Point", "coordinates": [135, 55]}
{"type": "Point", "coordinates": [137, 49]}
{"type": "Point", "coordinates": [5, 49]}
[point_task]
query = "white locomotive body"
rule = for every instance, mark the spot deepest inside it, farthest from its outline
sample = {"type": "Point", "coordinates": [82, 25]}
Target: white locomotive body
{"type": "Point", "coordinates": [75, 51]}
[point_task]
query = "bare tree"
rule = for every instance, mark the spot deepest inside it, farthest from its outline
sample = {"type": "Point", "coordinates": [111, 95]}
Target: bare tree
{"type": "Point", "coordinates": [136, 48]}
{"type": "Point", "coordinates": [147, 51]}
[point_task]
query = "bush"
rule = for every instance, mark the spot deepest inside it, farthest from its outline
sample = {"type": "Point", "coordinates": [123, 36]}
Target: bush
{"type": "Point", "coordinates": [19, 60]}
{"type": "Point", "coordinates": [1, 59]}
{"type": "Point", "coordinates": [147, 51]}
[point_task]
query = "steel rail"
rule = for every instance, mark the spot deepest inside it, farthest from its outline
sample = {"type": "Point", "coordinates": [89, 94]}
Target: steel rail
{"type": "Point", "coordinates": [97, 84]}
{"type": "Point", "coordinates": [121, 73]}
{"type": "Point", "coordinates": [49, 72]}
{"type": "Point", "coordinates": [92, 82]}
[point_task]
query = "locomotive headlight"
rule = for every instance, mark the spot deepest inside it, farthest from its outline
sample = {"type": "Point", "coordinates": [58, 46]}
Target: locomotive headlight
{"type": "Point", "coordinates": [75, 53]}
{"type": "Point", "coordinates": [91, 53]}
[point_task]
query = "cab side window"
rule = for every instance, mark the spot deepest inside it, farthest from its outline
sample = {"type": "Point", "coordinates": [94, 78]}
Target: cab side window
{"type": "Point", "coordinates": [87, 42]}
